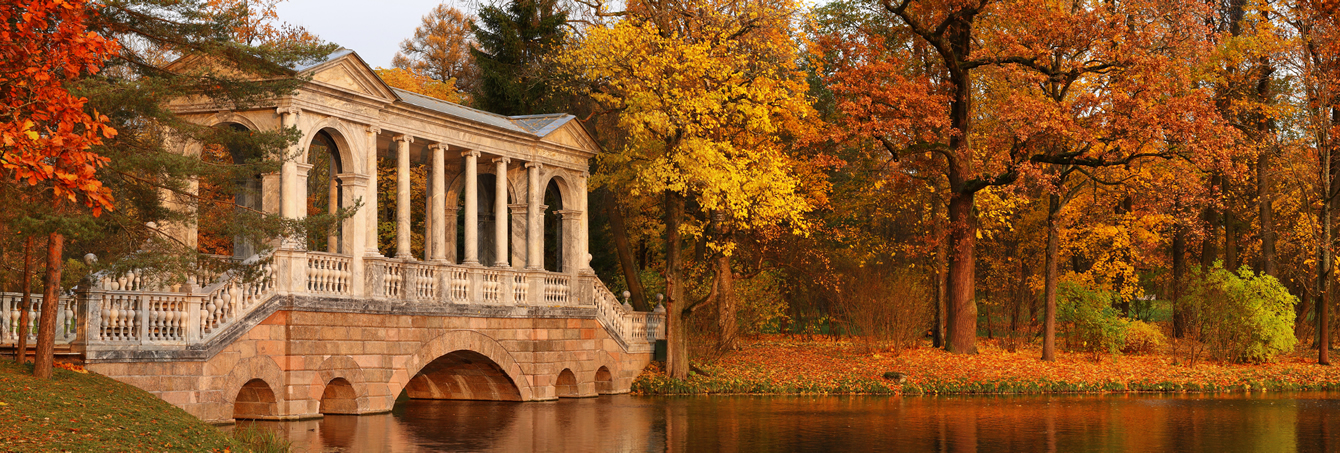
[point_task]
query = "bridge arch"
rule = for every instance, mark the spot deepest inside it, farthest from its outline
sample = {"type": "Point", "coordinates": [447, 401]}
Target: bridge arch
{"type": "Point", "coordinates": [345, 388]}
{"type": "Point", "coordinates": [247, 384]}
{"type": "Point", "coordinates": [479, 368]}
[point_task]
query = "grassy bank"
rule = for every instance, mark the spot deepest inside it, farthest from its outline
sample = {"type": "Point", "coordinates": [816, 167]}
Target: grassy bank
{"type": "Point", "coordinates": [76, 411]}
{"type": "Point", "coordinates": [781, 365]}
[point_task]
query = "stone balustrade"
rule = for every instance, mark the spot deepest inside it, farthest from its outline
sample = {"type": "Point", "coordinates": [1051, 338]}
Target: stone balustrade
{"type": "Point", "coordinates": [637, 330]}
{"type": "Point", "coordinates": [133, 310]}
{"type": "Point", "coordinates": [10, 315]}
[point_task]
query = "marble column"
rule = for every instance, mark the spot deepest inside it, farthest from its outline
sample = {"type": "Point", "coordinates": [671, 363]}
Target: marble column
{"type": "Point", "coordinates": [572, 258]}
{"type": "Point", "coordinates": [452, 209]}
{"type": "Point", "coordinates": [583, 245]}
{"type": "Point", "coordinates": [500, 212]}
{"type": "Point", "coordinates": [370, 195]}
{"type": "Point", "coordinates": [471, 208]}
{"type": "Point", "coordinates": [439, 204]}
{"type": "Point", "coordinates": [534, 220]}
{"type": "Point", "coordinates": [355, 185]}
{"type": "Point", "coordinates": [519, 213]}
{"type": "Point", "coordinates": [288, 173]}
{"type": "Point", "coordinates": [402, 233]}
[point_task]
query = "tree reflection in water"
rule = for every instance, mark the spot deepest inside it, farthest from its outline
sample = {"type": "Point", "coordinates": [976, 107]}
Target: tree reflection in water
{"type": "Point", "coordinates": [1225, 422]}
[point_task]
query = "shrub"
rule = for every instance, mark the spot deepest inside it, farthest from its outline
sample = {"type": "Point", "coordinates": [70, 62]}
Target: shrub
{"type": "Point", "coordinates": [760, 305]}
{"type": "Point", "coordinates": [1242, 316]}
{"type": "Point", "coordinates": [1143, 337]}
{"type": "Point", "coordinates": [1087, 320]}
{"type": "Point", "coordinates": [885, 307]}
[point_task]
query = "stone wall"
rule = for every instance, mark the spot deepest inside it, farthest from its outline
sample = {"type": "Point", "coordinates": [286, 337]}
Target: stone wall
{"type": "Point", "coordinates": [298, 352]}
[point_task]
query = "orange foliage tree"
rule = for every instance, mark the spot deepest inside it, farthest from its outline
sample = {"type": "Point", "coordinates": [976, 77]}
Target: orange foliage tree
{"type": "Point", "coordinates": [989, 93]}
{"type": "Point", "coordinates": [45, 132]}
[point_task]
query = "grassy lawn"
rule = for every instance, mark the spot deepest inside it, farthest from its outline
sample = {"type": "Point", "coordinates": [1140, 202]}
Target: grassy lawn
{"type": "Point", "coordinates": [781, 365]}
{"type": "Point", "coordinates": [88, 412]}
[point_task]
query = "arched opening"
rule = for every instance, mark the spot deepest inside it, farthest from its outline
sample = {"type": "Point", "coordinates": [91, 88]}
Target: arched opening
{"type": "Point", "coordinates": [553, 227]}
{"type": "Point", "coordinates": [463, 375]}
{"type": "Point", "coordinates": [604, 381]}
{"type": "Point", "coordinates": [566, 386]}
{"type": "Point", "coordinates": [255, 401]}
{"type": "Point", "coordinates": [339, 398]}
{"type": "Point", "coordinates": [324, 192]}
{"type": "Point", "coordinates": [232, 189]}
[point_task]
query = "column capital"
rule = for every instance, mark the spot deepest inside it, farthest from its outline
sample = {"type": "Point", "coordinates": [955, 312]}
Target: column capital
{"type": "Point", "coordinates": [304, 169]}
{"type": "Point", "coordinates": [519, 208]}
{"type": "Point", "coordinates": [353, 179]}
{"type": "Point", "coordinates": [374, 129]}
{"type": "Point", "coordinates": [536, 165]}
{"type": "Point", "coordinates": [437, 146]}
{"type": "Point", "coordinates": [403, 138]}
{"type": "Point", "coordinates": [569, 214]}
{"type": "Point", "coordinates": [502, 160]}
{"type": "Point", "coordinates": [288, 110]}
{"type": "Point", "coordinates": [470, 153]}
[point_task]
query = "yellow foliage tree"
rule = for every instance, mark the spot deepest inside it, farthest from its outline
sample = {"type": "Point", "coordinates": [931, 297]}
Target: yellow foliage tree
{"type": "Point", "coordinates": [417, 82]}
{"type": "Point", "coordinates": [710, 100]}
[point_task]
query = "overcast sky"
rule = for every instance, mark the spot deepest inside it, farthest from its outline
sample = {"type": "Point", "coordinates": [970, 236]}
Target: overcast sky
{"type": "Point", "coordinates": [374, 28]}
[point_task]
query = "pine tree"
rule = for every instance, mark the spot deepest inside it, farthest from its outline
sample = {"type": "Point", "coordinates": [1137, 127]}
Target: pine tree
{"type": "Point", "coordinates": [512, 45]}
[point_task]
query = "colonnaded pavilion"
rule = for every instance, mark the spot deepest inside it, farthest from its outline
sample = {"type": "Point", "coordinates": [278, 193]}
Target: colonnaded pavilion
{"type": "Point", "coordinates": [500, 303]}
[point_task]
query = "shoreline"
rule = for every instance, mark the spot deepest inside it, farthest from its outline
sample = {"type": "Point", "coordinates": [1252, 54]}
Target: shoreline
{"type": "Point", "coordinates": [784, 366]}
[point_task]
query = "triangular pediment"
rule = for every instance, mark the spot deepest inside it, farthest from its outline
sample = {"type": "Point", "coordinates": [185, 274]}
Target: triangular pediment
{"type": "Point", "coordinates": [571, 134]}
{"type": "Point", "coordinates": [349, 73]}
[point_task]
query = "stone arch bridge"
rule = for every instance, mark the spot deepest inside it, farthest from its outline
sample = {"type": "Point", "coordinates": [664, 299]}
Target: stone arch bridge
{"type": "Point", "coordinates": [337, 325]}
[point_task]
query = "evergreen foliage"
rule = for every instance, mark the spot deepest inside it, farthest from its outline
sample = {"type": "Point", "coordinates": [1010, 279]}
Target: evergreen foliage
{"type": "Point", "coordinates": [155, 185]}
{"type": "Point", "coordinates": [513, 41]}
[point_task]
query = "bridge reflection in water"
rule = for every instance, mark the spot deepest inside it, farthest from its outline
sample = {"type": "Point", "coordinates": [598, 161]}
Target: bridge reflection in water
{"type": "Point", "coordinates": [1288, 422]}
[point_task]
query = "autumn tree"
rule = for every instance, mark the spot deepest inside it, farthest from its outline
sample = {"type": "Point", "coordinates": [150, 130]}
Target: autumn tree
{"type": "Point", "coordinates": [409, 80]}
{"type": "Point", "coordinates": [708, 93]}
{"type": "Point", "coordinates": [513, 41]}
{"type": "Point", "coordinates": [440, 50]}
{"type": "Point", "coordinates": [46, 132]}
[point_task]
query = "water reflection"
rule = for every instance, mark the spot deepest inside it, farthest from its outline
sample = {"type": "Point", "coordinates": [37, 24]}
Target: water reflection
{"type": "Point", "coordinates": [1291, 422]}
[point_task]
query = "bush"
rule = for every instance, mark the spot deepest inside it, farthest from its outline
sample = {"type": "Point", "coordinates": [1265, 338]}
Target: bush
{"type": "Point", "coordinates": [1143, 338]}
{"type": "Point", "coordinates": [1087, 320]}
{"type": "Point", "coordinates": [1241, 317]}
{"type": "Point", "coordinates": [885, 307]}
{"type": "Point", "coordinates": [760, 304]}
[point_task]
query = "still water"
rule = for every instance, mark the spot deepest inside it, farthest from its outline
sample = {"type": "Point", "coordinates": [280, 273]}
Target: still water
{"type": "Point", "coordinates": [1211, 423]}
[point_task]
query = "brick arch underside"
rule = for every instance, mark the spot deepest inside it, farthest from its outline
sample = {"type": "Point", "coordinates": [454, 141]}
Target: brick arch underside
{"type": "Point", "coordinates": [465, 365]}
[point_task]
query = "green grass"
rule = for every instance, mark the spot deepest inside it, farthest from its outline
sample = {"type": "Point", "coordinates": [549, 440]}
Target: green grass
{"type": "Point", "coordinates": [88, 412]}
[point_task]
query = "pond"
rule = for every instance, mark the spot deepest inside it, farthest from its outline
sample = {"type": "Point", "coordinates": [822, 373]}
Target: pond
{"type": "Point", "coordinates": [1222, 422]}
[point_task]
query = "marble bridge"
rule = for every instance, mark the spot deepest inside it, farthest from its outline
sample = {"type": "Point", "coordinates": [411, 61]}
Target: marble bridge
{"type": "Point", "coordinates": [495, 301]}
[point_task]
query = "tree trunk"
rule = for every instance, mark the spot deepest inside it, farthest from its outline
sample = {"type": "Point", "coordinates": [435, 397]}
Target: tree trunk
{"type": "Point", "coordinates": [625, 252]}
{"type": "Point", "coordinates": [1324, 258]}
{"type": "Point", "coordinates": [728, 329]}
{"type": "Point", "coordinates": [46, 327]}
{"type": "Point", "coordinates": [1265, 204]}
{"type": "Point", "coordinates": [961, 309]}
{"type": "Point", "coordinates": [941, 279]}
{"type": "Point", "coordinates": [677, 332]}
{"type": "Point", "coordinates": [1178, 276]}
{"type": "Point", "coordinates": [1049, 282]}
{"type": "Point", "coordinates": [1209, 245]}
{"type": "Point", "coordinates": [25, 304]}
{"type": "Point", "coordinates": [1230, 240]}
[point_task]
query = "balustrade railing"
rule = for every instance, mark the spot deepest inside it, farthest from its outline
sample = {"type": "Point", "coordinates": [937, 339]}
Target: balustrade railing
{"type": "Point", "coordinates": [459, 279]}
{"type": "Point", "coordinates": [422, 281]}
{"type": "Point", "coordinates": [327, 273]}
{"type": "Point", "coordinates": [11, 314]}
{"type": "Point", "coordinates": [557, 288]}
{"type": "Point", "coordinates": [136, 309]}
{"type": "Point", "coordinates": [636, 328]}
{"type": "Point", "coordinates": [491, 286]}
{"type": "Point", "coordinates": [520, 289]}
